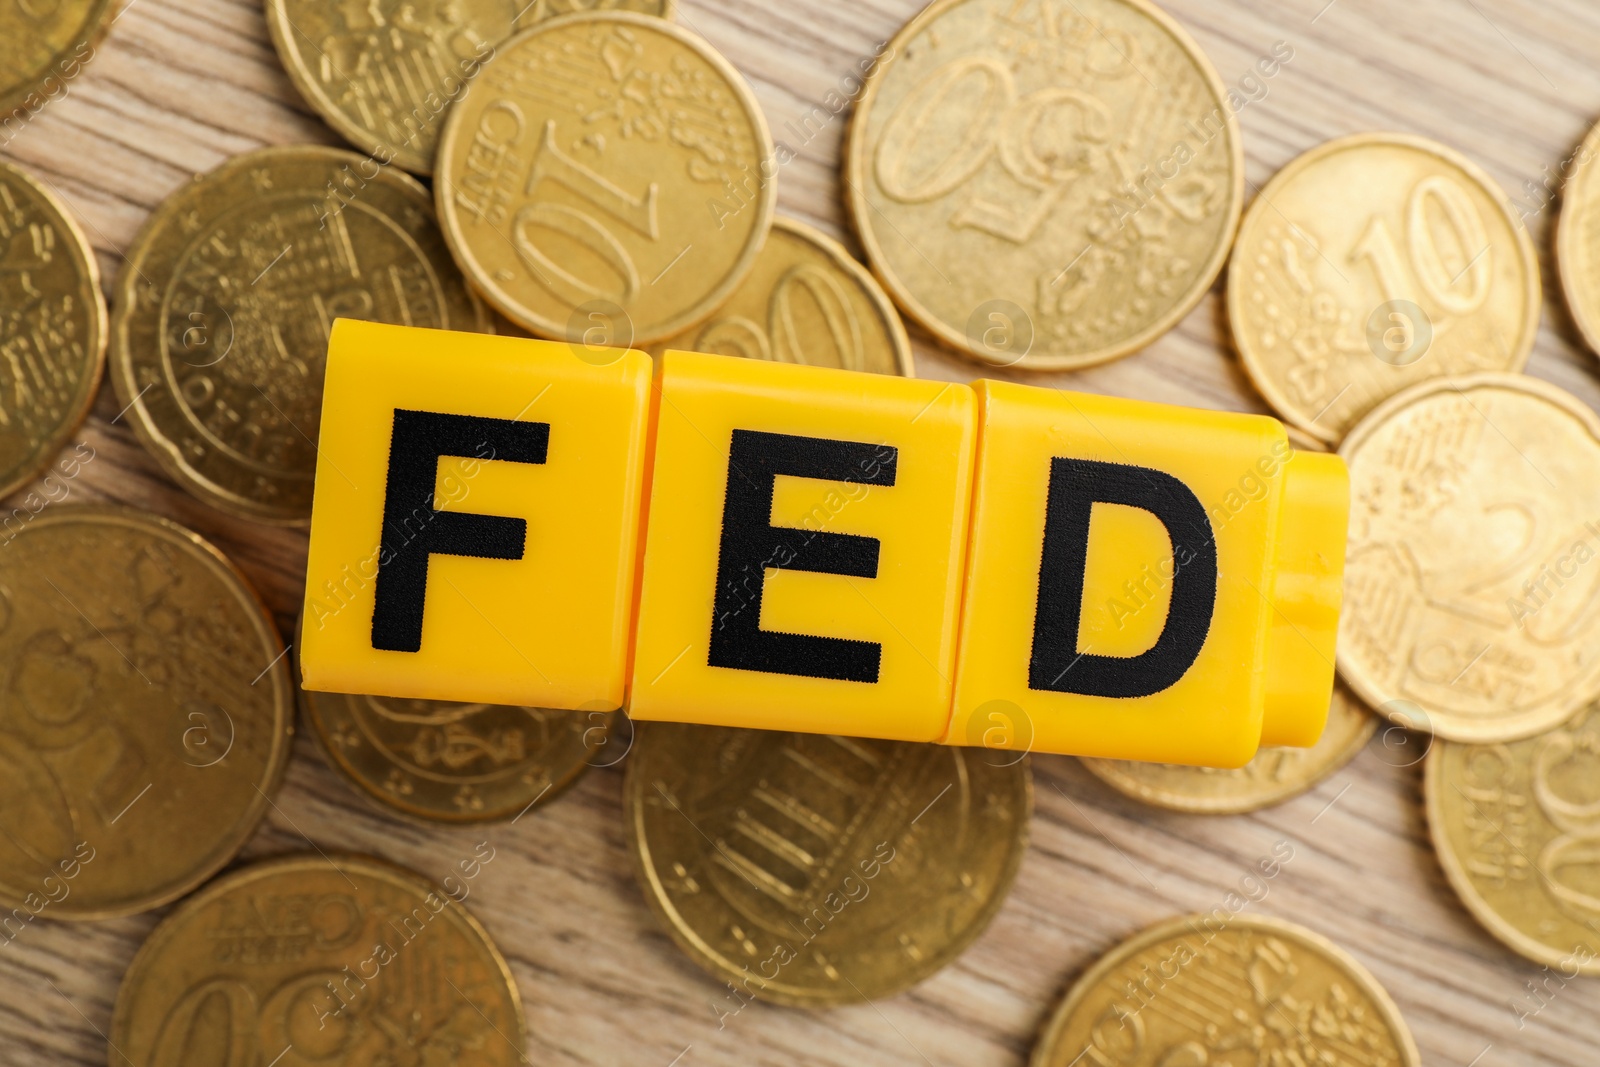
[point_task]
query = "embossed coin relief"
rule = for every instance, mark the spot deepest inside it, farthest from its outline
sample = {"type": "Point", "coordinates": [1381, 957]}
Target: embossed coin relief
{"type": "Point", "coordinates": [384, 73]}
{"type": "Point", "coordinates": [814, 870]}
{"type": "Point", "coordinates": [1516, 827]}
{"type": "Point", "coordinates": [453, 762]}
{"type": "Point", "coordinates": [611, 157]}
{"type": "Point", "coordinates": [52, 327]}
{"type": "Point", "coordinates": [806, 301]}
{"type": "Point", "coordinates": [44, 45]}
{"type": "Point", "coordinates": [317, 959]}
{"type": "Point", "coordinates": [1372, 263]}
{"type": "Point", "coordinates": [146, 714]}
{"type": "Point", "coordinates": [221, 330]}
{"type": "Point", "coordinates": [1196, 991]}
{"type": "Point", "coordinates": [1578, 240]}
{"type": "Point", "coordinates": [1275, 775]}
{"type": "Point", "coordinates": [1079, 161]}
{"type": "Point", "coordinates": [1474, 560]}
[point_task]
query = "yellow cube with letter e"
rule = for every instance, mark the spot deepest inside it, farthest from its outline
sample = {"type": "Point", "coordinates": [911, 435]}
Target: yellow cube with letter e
{"type": "Point", "coordinates": [806, 539]}
{"type": "Point", "coordinates": [1146, 582]}
{"type": "Point", "coordinates": [475, 520]}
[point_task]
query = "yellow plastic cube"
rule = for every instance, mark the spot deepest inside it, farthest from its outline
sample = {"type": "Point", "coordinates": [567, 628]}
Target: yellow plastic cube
{"type": "Point", "coordinates": [1146, 582]}
{"type": "Point", "coordinates": [476, 518]}
{"type": "Point", "coordinates": [804, 553]}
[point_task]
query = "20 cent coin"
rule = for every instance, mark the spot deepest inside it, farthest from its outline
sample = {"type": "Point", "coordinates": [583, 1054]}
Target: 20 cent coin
{"type": "Point", "coordinates": [1473, 569]}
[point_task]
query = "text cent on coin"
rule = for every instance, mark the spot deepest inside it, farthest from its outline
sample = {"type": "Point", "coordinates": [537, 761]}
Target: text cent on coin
{"type": "Point", "coordinates": [816, 870]}
{"type": "Point", "coordinates": [52, 327]}
{"type": "Point", "coordinates": [1471, 604]}
{"type": "Point", "coordinates": [1200, 989]}
{"type": "Point", "coordinates": [383, 74]}
{"type": "Point", "coordinates": [220, 329]}
{"type": "Point", "coordinates": [1515, 826]}
{"type": "Point", "coordinates": [1043, 190]}
{"type": "Point", "coordinates": [1371, 263]}
{"type": "Point", "coordinates": [146, 713]}
{"type": "Point", "coordinates": [608, 167]}
{"type": "Point", "coordinates": [806, 301]}
{"type": "Point", "coordinates": [316, 959]}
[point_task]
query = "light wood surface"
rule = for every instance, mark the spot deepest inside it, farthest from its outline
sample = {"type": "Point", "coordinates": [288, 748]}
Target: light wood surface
{"type": "Point", "coordinates": [181, 85]}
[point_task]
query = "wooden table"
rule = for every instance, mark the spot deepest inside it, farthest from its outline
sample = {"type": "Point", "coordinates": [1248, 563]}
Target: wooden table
{"type": "Point", "coordinates": [181, 85]}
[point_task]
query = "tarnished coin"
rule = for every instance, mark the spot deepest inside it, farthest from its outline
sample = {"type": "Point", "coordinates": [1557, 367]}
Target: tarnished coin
{"type": "Point", "coordinates": [43, 47]}
{"type": "Point", "coordinates": [1578, 240]}
{"type": "Point", "coordinates": [1045, 187]}
{"type": "Point", "coordinates": [220, 328]}
{"type": "Point", "coordinates": [52, 327]}
{"type": "Point", "coordinates": [808, 302]}
{"type": "Point", "coordinates": [1471, 580]}
{"type": "Point", "coordinates": [384, 73]}
{"type": "Point", "coordinates": [1200, 990]}
{"type": "Point", "coordinates": [314, 959]}
{"type": "Point", "coordinates": [1517, 829]}
{"type": "Point", "coordinates": [451, 762]}
{"type": "Point", "coordinates": [815, 870]}
{"type": "Point", "coordinates": [145, 713]}
{"type": "Point", "coordinates": [1275, 775]}
{"type": "Point", "coordinates": [606, 168]}
{"type": "Point", "coordinates": [1371, 263]}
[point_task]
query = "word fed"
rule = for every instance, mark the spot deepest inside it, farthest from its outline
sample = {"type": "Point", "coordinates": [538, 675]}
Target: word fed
{"type": "Point", "coordinates": [745, 543]}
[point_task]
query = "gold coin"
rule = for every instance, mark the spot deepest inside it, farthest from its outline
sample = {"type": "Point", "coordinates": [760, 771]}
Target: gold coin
{"type": "Point", "coordinates": [52, 327]}
{"type": "Point", "coordinates": [1371, 263]}
{"type": "Point", "coordinates": [1472, 571]}
{"type": "Point", "coordinates": [220, 328]}
{"type": "Point", "coordinates": [808, 302]}
{"type": "Point", "coordinates": [43, 46]}
{"type": "Point", "coordinates": [814, 870]}
{"type": "Point", "coordinates": [1221, 989]}
{"type": "Point", "coordinates": [1516, 826]}
{"type": "Point", "coordinates": [146, 716]}
{"type": "Point", "coordinates": [1275, 775]}
{"type": "Point", "coordinates": [384, 73]}
{"type": "Point", "coordinates": [450, 762]}
{"type": "Point", "coordinates": [1043, 188]}
{"type": "Point", "coordinates": [314, 959]}
{"type": "Point", "coordinates": [1578, 240]}
{"type": "Point", "coordinates": [609, 165]}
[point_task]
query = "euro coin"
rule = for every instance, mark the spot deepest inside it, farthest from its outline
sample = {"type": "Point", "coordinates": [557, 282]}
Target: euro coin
{"type": "Point", "coordinates": [606, 168]}
{"type": "Point", "coordinates": [1471, 576]}
{"type": "Point", "coordinates": [441, 761]}
{"type": "Point", "coordinates": [1275, 775]}
{"type": "Point", "coordinates": [1515, 826]}
{"type": "Point", "coordinates": [1578, 240]}
{"type": "Point", "coordinates": [223, 310]}
{"type": "Point", "coordinates": [1372, 263]}
{"type": "Point", "coordinates": [44, 45]}
{"type": "Point", "coordinates": [806, 302]}
{"type": "Point", "coordinates": [146, 718]}
{"type": "Point", "coordinates": [315, 959]}
{"type": "Point", "coordinates": [383, 74]}
{"type": "Point", "coordinates": [52, 327]}
{"type": "Point", "coordinates": [1202, 989]}
{"type": "Point", "coordinates": [814, 870]}
{"type": "Point", "coordinates": [1045, 188]}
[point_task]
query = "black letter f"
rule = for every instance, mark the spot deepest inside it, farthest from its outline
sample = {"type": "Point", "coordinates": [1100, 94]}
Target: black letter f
{"type": "Point", "coordinates": [413, 529]}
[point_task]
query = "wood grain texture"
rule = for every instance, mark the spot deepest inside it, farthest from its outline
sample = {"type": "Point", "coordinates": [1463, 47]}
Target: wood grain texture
{"type": "Point", "coordinates": [180, 85]}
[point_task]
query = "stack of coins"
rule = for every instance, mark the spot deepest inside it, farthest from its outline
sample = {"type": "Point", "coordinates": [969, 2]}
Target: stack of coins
{"type": "Point", "coordinates": [1034, 190]}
